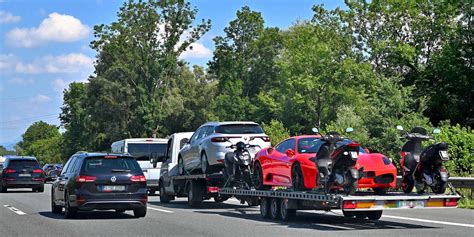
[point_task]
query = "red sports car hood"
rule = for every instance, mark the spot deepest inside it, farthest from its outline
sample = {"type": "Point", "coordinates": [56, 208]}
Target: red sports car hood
{"type": "Point", "coordinates": [370, 160]}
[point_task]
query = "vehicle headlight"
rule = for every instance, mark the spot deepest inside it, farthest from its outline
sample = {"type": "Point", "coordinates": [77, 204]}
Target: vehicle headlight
{"type": "Point", "coordinates": [386, 160]}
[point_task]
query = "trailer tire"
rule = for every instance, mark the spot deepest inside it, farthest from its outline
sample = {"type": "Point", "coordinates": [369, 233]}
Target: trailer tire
{"type": "Point", "coordinates": [265, 208]}
{"type": "Point", "coordinates": [195, 194]}
{"type": "Point", "coordinates": [374, 215]}
{"type": "Point", "coordinates": [285, 213]}
{"type": "Point", "coordinates": [275, 209]}
{"type": "Point", "coordinates": [164, 198]}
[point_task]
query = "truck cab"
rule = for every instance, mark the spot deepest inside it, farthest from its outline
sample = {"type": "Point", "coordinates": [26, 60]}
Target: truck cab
{"type": "Point", "coordinates": [169, 167]}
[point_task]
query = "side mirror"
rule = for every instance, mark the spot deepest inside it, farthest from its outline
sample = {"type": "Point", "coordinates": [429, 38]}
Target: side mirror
{"type": "Point", "coordinates": [290, 152]}
{"type": "Point", "coordinates": [366, 150]}
{"type": "Point", "coordinates": [436, 131]}
{"type": "Point", "coordinates": [399, 128]}
{"type": "Point", "coordinates": [315, 130]}
{"type": "Point", "coordinates": [349, 130]}
{"type": "Point", "coordinates": [185, 141]}
{"type": "Point", "coordinates": [270, 150]}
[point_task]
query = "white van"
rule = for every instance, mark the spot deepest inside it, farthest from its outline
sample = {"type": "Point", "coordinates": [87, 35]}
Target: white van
{"type": "Point", "coordinates": [149, 152]}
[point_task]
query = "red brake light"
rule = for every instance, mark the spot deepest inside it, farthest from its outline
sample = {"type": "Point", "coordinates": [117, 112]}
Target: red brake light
{"type": "Point", "coordinates": [110, 157]}
{"type": "Point", "coordinates": [9, 171]}
{"type": "Point", "coordinates": [38, 171]}
{"type": "Point", "coordinates": [353, 144]}
{"type": "Point", "coordinates": [218, 139]}
{"type": "Point", "coordinates": [350, 205]}
{"type": "Point", "coordinates": [138, 178]}
{"type": "Point", "coordinates": [451, 202]}
{"type": "Point", "coordinates": [85, 179]}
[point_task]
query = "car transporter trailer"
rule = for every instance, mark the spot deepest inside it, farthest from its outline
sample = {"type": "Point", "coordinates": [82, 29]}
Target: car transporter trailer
{"type": "Point", "coordinates": [283, 203]}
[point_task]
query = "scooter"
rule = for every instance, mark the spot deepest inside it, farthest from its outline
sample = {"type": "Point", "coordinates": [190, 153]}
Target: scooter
{"type": "Point", "coordinates": [335, 165]}
{"type": "Point", "coordinates": [423, 167]}
{"type": "Point", "coordinates": [238, 170]}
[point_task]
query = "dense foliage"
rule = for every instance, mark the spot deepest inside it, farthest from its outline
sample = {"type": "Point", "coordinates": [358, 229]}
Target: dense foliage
{"type": "Point", "coordinates": [372, 66]}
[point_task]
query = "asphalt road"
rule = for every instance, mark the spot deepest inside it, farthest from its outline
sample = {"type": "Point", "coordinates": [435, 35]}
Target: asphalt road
{"type": "Point", "coordinates": [23, 213]}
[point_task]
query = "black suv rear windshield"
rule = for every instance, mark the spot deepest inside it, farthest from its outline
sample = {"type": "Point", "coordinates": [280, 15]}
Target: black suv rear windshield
{"type": "Point", "coordinates": [239, 129]}
{"type": "Point", "coordinates": [102, 165]}
{"type": "Point", "coordinates": [21, 164]}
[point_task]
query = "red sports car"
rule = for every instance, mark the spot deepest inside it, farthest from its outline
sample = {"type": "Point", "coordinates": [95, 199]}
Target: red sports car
{"type": "Point", "coordinates": [288, 164]}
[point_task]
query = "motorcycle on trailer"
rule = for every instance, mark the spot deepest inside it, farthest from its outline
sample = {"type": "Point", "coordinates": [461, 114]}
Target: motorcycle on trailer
{"type": "Point", "coordinates": [423, 167]}
{"type": "Point", "coordinates": [335, 164]}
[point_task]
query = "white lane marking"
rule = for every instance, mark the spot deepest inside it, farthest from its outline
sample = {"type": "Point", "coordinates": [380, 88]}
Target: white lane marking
{"type": "Point", "coordinates": [428, 221]}
{"type": "Point", "coordinates": [13, 209]}
{"type": "Point", "coordinates": [335, 226]}
{"type": "Point", "coordinates": [162, 210]}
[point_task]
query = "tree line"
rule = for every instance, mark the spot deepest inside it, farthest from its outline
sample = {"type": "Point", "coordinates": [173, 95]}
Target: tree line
{"type": "Point", "coordinates": [371, 66]}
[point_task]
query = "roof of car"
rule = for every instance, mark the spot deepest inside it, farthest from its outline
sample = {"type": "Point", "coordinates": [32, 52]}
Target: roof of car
{"type": "Point", "coordinates": [12, 157]}
{"type": "Point", "coordinates": [89, 154]}
{"type": "Point", "coordinates": [229, 122]}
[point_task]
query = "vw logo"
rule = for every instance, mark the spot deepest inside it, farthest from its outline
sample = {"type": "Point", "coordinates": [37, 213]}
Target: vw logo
{"type": "Point", "coordinates": [113, 179]}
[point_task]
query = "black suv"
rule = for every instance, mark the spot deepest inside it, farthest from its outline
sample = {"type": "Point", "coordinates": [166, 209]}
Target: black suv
{"type": "Point", "coordinates": [21, 172]}
{"type": "Point", "coordinates": [100, 181]}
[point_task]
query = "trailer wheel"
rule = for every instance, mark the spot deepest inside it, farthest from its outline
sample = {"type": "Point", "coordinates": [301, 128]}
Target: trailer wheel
{"type": "Point", "coordinates": [285, 213]}
{"type": "Point", "coordinates": [164, 198]}
{"type": "Point", "coordinates": [374, 215]}
{"type": "Point", "coordinates": [265, 208]}
{"type": "Point", "coordinates": [195, 194]}
{"type": "Point", "coordinates": [275, 209]}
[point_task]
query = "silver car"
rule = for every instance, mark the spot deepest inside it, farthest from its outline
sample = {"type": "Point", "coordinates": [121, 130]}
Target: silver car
{"type": "Point", "coordinates": [206, 149]}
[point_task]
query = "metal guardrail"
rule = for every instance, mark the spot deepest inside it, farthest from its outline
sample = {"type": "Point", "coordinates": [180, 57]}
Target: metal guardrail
{"type": "Point", "coordinates": [457, 182]}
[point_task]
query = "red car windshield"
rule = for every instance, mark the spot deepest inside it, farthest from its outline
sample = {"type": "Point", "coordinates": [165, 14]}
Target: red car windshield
{"type": "Point", "coordinates": [312, 145]}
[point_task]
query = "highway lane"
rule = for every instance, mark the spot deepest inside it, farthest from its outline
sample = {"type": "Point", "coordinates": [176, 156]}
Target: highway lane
{"type": "Point", "coordinates": [217, 219]}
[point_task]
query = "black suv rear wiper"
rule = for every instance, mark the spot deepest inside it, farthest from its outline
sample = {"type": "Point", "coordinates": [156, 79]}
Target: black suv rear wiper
{"type": "Point", "coordinates": [120, 170]}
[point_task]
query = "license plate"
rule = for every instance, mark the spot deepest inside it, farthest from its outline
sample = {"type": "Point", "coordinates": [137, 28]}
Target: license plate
{"type": "Point", "coordinates": [412, 204]}
{"type": "Point", "coordinates": [24, 175]}
{"type": "Point", "coordinates": [112, 188]}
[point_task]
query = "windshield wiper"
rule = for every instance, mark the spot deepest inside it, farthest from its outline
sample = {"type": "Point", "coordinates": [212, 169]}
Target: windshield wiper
{"type": "Point", "coordinates": [120, 170]}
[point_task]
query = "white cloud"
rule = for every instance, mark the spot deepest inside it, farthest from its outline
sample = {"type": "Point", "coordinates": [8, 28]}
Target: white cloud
{"type": "Point", "coordinates": [7, 17]}
{"type": "Point", "coordinates": [21, 81]}
{"type": "Point", "coordinates": [40, 99]}
{"type": "Point", "coordinates": [67, 63]}
{"type": "Point", "coordinates": [59, 85]}
{"type": "Point", "coordinates": [7, 62]}
{"type": "Point", "coordinates": [55, 28]}
{"type": "Point", "coordinates": [196, 50]}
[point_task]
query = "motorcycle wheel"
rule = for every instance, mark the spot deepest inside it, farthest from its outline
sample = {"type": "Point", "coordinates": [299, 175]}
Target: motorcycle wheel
{"type": "Point", "coordinates": [420, 187]}
{"type": "Point", "coordinates": [407, 184]}
{"type": "Point", "coordinates": [351, 188]}
{"type": "Point", "coordinates": [258, 178]}
{"type": "Point", "coordinates": [439, 187]}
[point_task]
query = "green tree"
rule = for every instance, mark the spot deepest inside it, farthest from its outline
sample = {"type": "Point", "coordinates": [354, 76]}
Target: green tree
{"type": "Point", "coordinates": [43, 141]}
{"type": "Point", "coordinates": [244, 65]}
{"type": "Point", "coordinates": [4, 151]}
{"type": "Point", "coordinates": [276, 131]}
{"type": "Point", "coordinates": [135, 85]}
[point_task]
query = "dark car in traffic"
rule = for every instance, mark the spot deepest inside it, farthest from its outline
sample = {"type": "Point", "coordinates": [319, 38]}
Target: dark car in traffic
{"type": "Point", "coordinates": [51, 171]}
{"type": "Point", "coordinates": [100, 181]}
{"type": "Point", "coordinates": [21, 172]}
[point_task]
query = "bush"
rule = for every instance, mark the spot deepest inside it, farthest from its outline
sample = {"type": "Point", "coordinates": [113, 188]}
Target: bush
{"type": "Point", "coordinates": [461, 148]}
{"type": "Point", "coordinates": [276, 131]}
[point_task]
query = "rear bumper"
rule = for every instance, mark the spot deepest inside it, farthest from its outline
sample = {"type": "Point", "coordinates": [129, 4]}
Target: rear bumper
{"type": "Point", "coordinates": [23, 184]}
{"type": "Point", "coordinates": [111, 204]}
{"type": "Point", "coordinates": [152, 183]}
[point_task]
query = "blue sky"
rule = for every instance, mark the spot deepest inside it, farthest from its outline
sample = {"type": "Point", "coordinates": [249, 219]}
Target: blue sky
{"type": "Point", "coordinates": [44, 46]}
